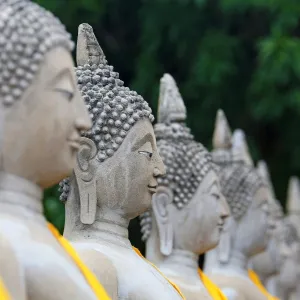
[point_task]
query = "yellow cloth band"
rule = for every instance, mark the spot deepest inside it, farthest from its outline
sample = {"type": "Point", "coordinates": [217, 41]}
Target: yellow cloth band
{"type": "Point", "coordinates": [173, 284]}
{"type": "Point", "coordinates": [3, 292]}
{"type": "Point", "coordinates": [214, 291]}
{"type": "Point", "coordinates": [89, 276]}
{"type": "Point", "coordinates": [256, 280]}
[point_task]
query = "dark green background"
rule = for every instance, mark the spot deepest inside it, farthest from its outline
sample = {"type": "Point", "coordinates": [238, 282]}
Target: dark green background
{"type": "Point", "coordinates": [239, 55]}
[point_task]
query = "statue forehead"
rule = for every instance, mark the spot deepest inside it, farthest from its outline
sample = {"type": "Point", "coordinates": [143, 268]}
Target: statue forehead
{"type": "Point", "coordinates": [139, 134]}
{"type": "Point", "coordinates": [28, 32]}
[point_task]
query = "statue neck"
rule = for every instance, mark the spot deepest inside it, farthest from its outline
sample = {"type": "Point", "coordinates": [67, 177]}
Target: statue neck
{"type": "Point", "coordinates": [237, 263]}
{"type": "Point", "coordinates": [182, 262]}
{"type": "Point", "coordinates": [20, 197]}
{"type": "Point", "coordinates": [108, 227]}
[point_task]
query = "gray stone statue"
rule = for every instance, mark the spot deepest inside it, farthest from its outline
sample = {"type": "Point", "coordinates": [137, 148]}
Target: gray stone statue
{"type": "Point", "coordinates": [288, 279]}
{"type": "Point", "coordinates": [248, 198]}
{"type": "Point", "coordinates": [267, 264]}
{"type": "Point", "coordinates": [293, 202]}
{"type": "Point", "coordinates": [42, 116]}
{"type": "Point", "coordinates": [114, 179]}
{"type": "Point", "coordinates": [290, 271]}
{"type": "Point", "coordinates": [188, 209]}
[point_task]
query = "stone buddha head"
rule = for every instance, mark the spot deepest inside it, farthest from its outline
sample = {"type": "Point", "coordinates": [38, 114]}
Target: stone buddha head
{"type": "Point", "coordinates": [290, 250]}
{"type": "Point", "coordinates": [268, 262]}
{"type": "Point", "coordinates": [290, 247]}
{"type": "Point", "coordinates": [43, 110]}
{"type": "Point", "coordinates": [245, 191]}
{"type": "Point", "coordinates": [118, 162]}
{"type": "Point", "coordinates": [188, 209]}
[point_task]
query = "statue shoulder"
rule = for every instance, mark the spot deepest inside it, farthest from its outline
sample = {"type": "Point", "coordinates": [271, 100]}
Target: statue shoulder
{"type": "Point", "coordinates": [11, 271]}
{"type": "Point", "coordinates": [103, 268]}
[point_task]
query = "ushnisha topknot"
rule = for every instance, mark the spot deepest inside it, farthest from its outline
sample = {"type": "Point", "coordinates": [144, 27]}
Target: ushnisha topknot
{"type": "Point", "coordinates": [113, 108]}
{"type": "Point", "coordinates": [28, 32]}
{"type": "Point", "coordinates": [187, 161]}
{"type": "Point", "coordinates": [238, 177]}
{"type": "Point", "coordinates": [293, 196]}
{"type": "Point", "coordinates": [276, 209]}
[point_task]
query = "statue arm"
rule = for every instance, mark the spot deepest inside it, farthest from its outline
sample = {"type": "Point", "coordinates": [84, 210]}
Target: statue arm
{"type": "Point", "coordinates": [104, 270]}
{"type": "Point", "coordinates": [11, 272]}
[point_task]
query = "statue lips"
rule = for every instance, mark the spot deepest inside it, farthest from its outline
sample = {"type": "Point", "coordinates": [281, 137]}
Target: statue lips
{"type": "Point", "coordinates": [152, 188]}
{"type": "Point", "coordinates": [221, 225]}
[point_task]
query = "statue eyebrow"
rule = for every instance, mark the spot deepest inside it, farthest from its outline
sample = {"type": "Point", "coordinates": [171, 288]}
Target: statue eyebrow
{"type": "Point", "coordinates": [214, 183]}
{"type": "Point", "coordinates": [140, 142]}
{"type": "Point", "coordinates": [62, 73]}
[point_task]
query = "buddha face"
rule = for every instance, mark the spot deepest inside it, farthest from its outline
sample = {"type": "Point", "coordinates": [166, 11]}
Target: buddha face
{"type": "Point", "coordinates": [197, 227]}
{"type": "Point", "coordinates": [268, 263]}
{"type": "Point", "coordinates": [253, 236]}
{"type": "Point", "coordinates": [127, 180]}
{"type": "Point", "coordinates": [42, 129]}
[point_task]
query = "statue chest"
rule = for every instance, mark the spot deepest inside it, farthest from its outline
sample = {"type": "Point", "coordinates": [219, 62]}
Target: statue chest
{"type": "Point", "coordinates": [191, 287]}
{"type": "Point", "coordinates": [49, 273]}
{"type": "Point", "coordinates": [137, 279]}
{"type": "Point", "coordinates": [236, 288]}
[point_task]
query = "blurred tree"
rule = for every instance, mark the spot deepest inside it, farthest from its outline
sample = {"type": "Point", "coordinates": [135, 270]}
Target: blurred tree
{"type": "Point", "coordinates": [242, 56]}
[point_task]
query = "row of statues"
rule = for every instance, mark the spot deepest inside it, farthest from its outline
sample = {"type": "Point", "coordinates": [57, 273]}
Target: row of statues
{"type": "Point", "coordinates": [88, 131]}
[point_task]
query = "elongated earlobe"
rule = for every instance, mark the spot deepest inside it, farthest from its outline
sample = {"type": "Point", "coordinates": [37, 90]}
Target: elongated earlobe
{"type": "Point", "coordinates": [160, 201]}
{"type": "Point", "coordinates": [225, 241]}
{"type": "Point", "coordinates": [86, 180]}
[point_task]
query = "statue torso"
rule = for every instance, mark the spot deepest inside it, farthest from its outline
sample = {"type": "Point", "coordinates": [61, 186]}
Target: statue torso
{"type": "Point", "coordinates": [50, 273]}
{"type": "Point", "coordinates": [136, 278]}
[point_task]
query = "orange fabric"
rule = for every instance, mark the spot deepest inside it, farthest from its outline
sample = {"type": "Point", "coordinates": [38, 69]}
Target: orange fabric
{"type": "Point", "coordinates": [256, 280]}
{"type": "Point", "coordinates": [89, 276]}
{"type": "Point", "coordinates": [3, 292]}
{"type": "Point", "coordinates": [214, 291]}
{"type": "Point", "coordinates": [173, 284]}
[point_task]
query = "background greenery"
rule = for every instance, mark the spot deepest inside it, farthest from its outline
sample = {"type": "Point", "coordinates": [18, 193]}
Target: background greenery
{"type": "Point", "coordinates": [239, 55]}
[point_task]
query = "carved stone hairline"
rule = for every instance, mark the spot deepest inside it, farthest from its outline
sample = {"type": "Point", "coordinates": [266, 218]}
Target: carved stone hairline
{"type": "Point", "coordinates": [113, 108]}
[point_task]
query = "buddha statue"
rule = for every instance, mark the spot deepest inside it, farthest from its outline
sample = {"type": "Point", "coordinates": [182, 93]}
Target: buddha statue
{"type": "Point", "coordinates": [265, 266]}
{"type": "Point", "coordinates": [188, 209]}
{"type": "Point", "coordinates": [293, 202]}
{"type": "Point", "coordinates": [248, 198]}
{"type": "Point", "coordinates": [42, 117]}
{"type": "Point", "coordinates": [288, 279]}
{"type": "Point", "coordinates": [113, 180]}
{"type": "Point", "coordinates": [290, 270]}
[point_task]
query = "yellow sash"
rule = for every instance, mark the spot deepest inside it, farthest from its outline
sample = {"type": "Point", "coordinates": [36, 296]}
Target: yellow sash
{"type": "Point", "coordinates": [3, 292]}
{"type": "Point", "coordinates": [173, 284]}
{"type": "Point", "coordinates": [89, 276]}
{"type": "Point", "coordinates": [214, 291]}
{"type": "Point", "coordinates": [255, 279]}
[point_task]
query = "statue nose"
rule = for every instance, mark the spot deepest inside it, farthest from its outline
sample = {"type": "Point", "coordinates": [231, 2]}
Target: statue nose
{"type": "Point", "coordinates": [83, 124]}
{"type": "Point", "coordinates": [157, 172]}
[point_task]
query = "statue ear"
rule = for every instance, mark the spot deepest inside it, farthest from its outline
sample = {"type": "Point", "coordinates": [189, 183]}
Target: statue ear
{"type": "Point", "coordinates": [86, 181]}
{"type": "Point", "coordinates": [160, 200]}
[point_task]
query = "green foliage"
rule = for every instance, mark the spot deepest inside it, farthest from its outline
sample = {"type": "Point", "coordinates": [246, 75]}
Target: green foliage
{"type": "Point", "coordinates": [242, 56]}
